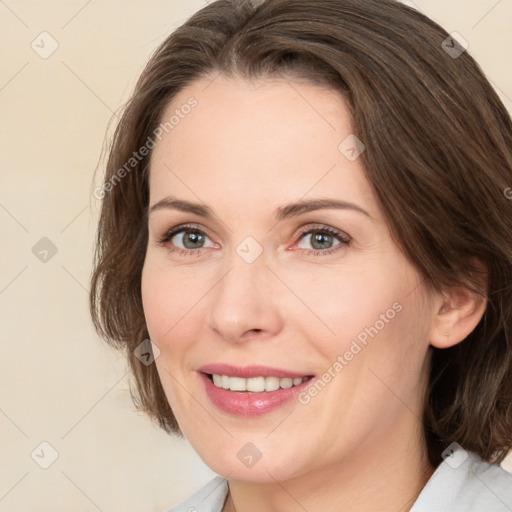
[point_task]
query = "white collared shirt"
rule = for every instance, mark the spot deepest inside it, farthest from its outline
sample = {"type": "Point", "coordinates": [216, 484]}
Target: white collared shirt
{"type": "Point", "coordinates": [472, 486]}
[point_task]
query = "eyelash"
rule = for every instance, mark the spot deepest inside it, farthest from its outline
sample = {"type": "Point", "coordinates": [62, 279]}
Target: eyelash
{"type": "Point", "coordinates": [340, 236]}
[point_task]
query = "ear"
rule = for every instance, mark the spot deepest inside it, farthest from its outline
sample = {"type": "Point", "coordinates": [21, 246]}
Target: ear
{"type": "Point", "coordinates": [459, 310]}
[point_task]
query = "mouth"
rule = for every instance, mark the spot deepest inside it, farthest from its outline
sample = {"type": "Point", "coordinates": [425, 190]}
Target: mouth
{"type": "Point", "coordinates": [252, 390]}
{"type": "Point", "coordinates": [258, 384]}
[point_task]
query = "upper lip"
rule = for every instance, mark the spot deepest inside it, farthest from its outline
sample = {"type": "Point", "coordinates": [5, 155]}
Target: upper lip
{"type": "Point", "coordinates": [248, 372]}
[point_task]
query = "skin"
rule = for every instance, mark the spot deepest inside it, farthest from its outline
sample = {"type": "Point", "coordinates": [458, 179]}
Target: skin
{"type": "Point", "coordinates": [245, 150]}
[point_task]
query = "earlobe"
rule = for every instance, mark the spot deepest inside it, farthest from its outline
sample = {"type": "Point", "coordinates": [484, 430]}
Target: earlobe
{"type": "Point", "coordinates": [459, 310]}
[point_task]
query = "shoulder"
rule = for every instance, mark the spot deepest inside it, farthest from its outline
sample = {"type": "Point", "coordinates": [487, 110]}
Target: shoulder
{"type": "Point", "coordinates": [466, 484]}
{"type": "Point", "coordinates": [210, 498]}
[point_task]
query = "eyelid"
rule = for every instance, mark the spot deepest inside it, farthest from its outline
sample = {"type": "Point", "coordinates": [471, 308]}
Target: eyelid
{"type": "Point", "coordinates": [171, 232]}
{"type": "Point", "coordinates": [323, 227]}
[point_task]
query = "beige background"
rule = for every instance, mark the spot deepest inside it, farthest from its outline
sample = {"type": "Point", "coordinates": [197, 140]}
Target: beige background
{"type": "Point", "coordinates": [58, 382]}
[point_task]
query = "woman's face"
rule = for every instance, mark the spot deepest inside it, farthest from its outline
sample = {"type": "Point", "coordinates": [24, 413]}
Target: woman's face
{"type": "Point", "coordinates": [258, 274]}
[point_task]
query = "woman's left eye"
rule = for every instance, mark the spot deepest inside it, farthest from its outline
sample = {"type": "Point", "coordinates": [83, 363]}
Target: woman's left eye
{"type": "Point", "coordinates": [190, 239]}
{"type": "Point", "coordinates": [322, 240]}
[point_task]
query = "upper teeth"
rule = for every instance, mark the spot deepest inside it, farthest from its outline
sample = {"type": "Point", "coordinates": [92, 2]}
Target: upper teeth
{"type": "Point", "coordinates": [255, 384]}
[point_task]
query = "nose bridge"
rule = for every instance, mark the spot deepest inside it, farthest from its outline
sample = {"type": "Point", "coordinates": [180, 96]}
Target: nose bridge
{"type": "Point", "coordinates": [242, 300]}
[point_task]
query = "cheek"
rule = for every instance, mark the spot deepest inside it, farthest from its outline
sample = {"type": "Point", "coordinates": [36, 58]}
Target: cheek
{"type": "Point", "coordinates": [162, 310]}
{"type": "Point", "coordinates": [340, 303]}
{"type": "Point", "coordinates": [374, 318]}
{"type": "Point", "coordinates": [385, 355]}
{"type": "Point", "coordinates": [153, 301]}
{"type": "Point", "coordinates": [159, 305]}
{"type": "Point", "coordinates": [165, 298]}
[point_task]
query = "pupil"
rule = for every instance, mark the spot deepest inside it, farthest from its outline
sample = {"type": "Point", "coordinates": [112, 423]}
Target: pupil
{"type": "Point", "coordinates": [318, 239]}
{"type": "Point", "coordinates": [194, 238]}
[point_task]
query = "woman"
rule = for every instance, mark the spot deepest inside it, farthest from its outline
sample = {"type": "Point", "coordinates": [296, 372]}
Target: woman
{"type": "Point", "coordinates": [305, 210]}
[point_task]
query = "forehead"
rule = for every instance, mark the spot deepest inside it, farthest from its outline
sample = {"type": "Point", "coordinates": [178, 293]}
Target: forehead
{"type": "Point", "coordinates": [278, 139]}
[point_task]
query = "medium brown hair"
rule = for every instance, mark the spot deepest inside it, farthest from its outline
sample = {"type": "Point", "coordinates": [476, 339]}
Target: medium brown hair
{"type": "Point", "coordinates": [438, 158]}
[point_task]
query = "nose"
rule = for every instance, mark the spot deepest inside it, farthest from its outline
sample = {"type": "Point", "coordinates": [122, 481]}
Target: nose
{"type": "Point", "coordinates": [244, 305]}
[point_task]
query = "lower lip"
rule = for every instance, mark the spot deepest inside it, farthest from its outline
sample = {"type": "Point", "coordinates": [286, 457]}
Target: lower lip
{"type": "Point", "coordinates": [248, 404]}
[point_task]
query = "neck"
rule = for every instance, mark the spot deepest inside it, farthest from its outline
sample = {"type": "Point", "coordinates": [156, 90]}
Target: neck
{"type": "Point", "coordinates": [379, 476]}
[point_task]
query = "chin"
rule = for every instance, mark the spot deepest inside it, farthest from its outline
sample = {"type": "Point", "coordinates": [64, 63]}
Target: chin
{"type": "Point", "coordinates": [246, 463]}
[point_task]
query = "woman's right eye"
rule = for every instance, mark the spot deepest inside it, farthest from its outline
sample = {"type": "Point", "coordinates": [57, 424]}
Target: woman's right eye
{"type": "Point", "coordinates": [184, 239]}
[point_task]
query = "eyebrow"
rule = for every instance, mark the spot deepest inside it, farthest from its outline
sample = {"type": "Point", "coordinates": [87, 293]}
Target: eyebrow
{"type": "Point", "coordinates": [281, 213]}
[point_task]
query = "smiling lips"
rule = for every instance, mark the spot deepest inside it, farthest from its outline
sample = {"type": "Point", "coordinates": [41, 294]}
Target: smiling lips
{"type": "Point", "coordinates": [255, 384]}
{"type": "Point", "coordinates": [250, 391]}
